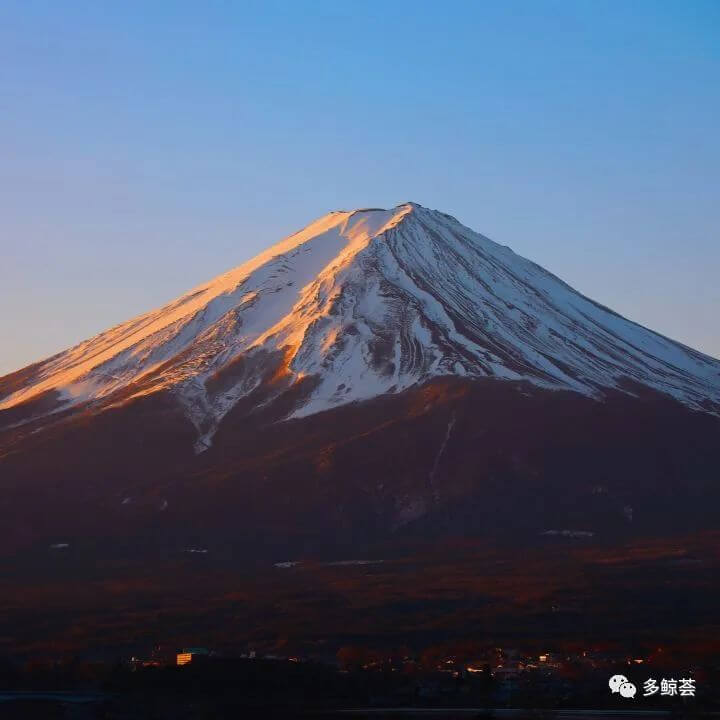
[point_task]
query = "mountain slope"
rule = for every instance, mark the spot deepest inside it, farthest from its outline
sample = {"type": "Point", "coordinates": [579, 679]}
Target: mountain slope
{"type": "Point", "coordinates": [356, 305]}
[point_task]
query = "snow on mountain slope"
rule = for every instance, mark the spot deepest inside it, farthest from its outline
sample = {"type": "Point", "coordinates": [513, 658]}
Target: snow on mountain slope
{"type": "Point", "coordinates": [370, 302]}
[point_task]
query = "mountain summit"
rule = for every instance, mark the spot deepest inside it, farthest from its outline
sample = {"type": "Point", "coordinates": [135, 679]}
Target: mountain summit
{"type": "Point", "coordinates": [359, 304]}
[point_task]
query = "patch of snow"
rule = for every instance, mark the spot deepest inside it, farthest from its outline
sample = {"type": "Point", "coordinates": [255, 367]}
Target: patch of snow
{"type": "Point", "coordinates": [570, 533]}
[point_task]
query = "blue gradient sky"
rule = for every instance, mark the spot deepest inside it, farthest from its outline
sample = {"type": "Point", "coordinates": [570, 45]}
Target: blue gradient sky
{"type": "Point", "coordinates": [148, 146]}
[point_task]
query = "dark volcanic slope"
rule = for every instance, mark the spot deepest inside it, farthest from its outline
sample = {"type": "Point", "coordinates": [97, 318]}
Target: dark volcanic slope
{"type": "Point", "coordinates": [451, 457]}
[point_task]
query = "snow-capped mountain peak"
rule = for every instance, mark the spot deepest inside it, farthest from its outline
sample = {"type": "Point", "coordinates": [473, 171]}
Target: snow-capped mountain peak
{"type": "Point", "coordinates": [358, 304]}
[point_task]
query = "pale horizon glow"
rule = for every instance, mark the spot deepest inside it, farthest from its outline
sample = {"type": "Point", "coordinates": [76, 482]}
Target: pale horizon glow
{"type": "Point", "coordinates": [148, 149]}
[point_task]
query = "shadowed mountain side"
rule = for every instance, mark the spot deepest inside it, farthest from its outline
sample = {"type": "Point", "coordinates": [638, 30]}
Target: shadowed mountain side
{"type": "Point", "coordinates": [453, 457]}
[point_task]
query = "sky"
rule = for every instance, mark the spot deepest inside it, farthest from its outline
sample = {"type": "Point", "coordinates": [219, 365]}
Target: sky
{"type": "Point", "coordinates": [147, 147]}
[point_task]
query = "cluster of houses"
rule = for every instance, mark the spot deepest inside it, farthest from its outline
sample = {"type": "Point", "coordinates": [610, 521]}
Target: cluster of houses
{"type": "Point", "coordinates": [163, 656]}
{"type": "Point", "coordinates": [503, 664]}
{"type": "Point", "coordinates": [501, 673]}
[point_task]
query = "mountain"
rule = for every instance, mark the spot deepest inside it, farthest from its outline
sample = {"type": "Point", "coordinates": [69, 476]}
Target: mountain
{"type": "Point", "coordinates": [360, 304]}
{"type": "Point", "coordinates": [380, 372]}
